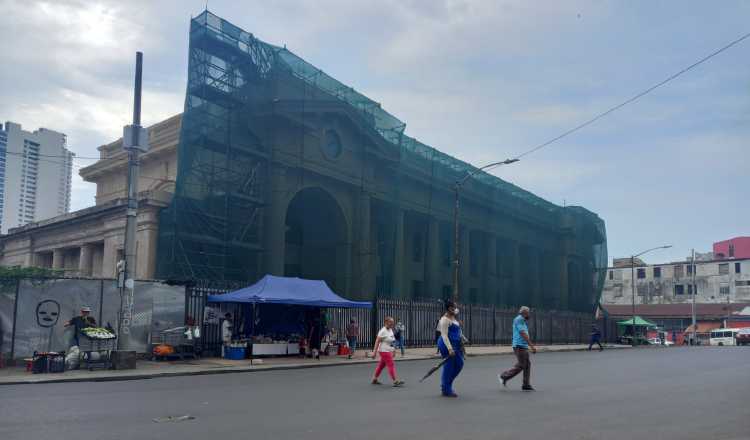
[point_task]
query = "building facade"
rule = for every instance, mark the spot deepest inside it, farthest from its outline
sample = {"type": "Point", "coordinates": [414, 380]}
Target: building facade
{"type": "Point", "coordinates": [35, 175]}
{"type": "Point", "coordinates": [276, 168]}
{"type": "Point", "coordinates": [738, 247]}
{"type": "Point", "coordinates": [718, 281]}
{"type": "Point", "coordinates": [90, 242]}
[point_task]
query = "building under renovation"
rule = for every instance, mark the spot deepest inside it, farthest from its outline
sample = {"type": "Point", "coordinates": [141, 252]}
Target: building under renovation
{"type": "Point", "coordinates": [284, 170]}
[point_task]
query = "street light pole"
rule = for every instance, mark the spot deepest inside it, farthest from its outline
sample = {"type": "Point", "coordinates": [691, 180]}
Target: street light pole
{"type": "Point", "coordinates": [456, 250]}
{"type": "Point", "coordinates": [632, 283]}
{"type": "Point", "coordinates": [695, 293]}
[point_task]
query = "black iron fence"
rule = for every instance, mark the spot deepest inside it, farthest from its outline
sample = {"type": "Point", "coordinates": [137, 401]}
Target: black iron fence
{"type": "Point", "coordinates": [483, 325]}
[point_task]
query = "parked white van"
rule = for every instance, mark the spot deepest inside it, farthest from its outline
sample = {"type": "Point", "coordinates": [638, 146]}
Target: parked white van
{"type": "Point", "coordinates": [724, 336]}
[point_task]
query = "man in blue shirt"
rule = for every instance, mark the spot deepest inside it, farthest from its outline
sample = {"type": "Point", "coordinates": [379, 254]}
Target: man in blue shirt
{"type": "Point", "coordinates": [521, 345]}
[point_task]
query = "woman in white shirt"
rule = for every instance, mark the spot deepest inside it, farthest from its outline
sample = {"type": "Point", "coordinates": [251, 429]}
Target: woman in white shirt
{"type": "Point", "coordinates": [384, 347]}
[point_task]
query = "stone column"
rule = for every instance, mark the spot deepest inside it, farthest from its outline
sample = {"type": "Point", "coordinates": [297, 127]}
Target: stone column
{"type": "Point", "coordinates": [108, 260]}
{"type": "Point", "coordinates": [85, 261]}
{"type": "Point", "coordinates": [399, 270]}
{"type": "Point", "coordinates": [432, 255]}
{"type": "Point", "coordinates": [464, 280]}
{"type": "Point", "coordinates": [564, 293]}
{"type": "Point", "coordinates": [58, 259]}
{"type": "Point", "coordinates": [28, 258]}
{"type": "Point", "coordinates": [491, 276]}
{"type": "Point", "coordinates": [366, 251]}
{"type": "Point", "coordinates": [517, 296]}
{"type": "Point", "coordinates": [274, 223]}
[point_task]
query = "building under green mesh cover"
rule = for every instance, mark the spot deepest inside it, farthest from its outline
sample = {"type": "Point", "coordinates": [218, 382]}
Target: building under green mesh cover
{"type": "Point", "coordinates": [284, 170]}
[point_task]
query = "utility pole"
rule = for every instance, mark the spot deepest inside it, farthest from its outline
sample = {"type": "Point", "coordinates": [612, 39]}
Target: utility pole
{"type": "Point", "coordinates": [695, 293]}
{"type": "Point", "coordinates": [134, 142]}
{"type": "Point", "coordinates": [632, 287]}
{"type": "Point", "coordinates": [456, 249]}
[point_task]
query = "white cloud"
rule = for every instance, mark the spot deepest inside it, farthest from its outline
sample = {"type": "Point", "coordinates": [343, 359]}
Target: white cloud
{"type": "Point", "coordinates": [478, 80]}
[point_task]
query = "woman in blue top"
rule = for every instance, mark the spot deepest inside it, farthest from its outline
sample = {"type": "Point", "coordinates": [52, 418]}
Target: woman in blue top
{"type": "Point", "coordinates": [450, 346]}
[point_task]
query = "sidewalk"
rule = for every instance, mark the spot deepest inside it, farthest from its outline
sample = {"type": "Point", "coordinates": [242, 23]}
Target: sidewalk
{"type": "Point", "coordinates": [149, 369]}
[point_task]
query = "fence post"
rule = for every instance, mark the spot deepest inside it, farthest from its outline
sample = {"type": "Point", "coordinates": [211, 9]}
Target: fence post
{"type": "Point", "coordinates": [15, 316]}
{"type": "Point", "coordinates": [494, 325]}
{"type": "Point", "coordinates": [374, 317]}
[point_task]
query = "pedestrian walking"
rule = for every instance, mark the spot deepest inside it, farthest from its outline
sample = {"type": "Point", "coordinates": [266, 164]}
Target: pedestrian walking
{"type": "Point", "coordinates": [400, 334]}
{"type": "Point", "coordinates": [384, 348]}
{"type": "Point", "coordinates": [596, 335]}
{"type": "Point", "coordinates": [521, 345]}
{"type": "Point", "coordinates": [352, 334]}
{"type": "Point", "coordinates": [450, 345]}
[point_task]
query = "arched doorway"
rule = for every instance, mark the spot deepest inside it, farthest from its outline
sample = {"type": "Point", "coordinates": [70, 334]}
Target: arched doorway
{"type": "Point", "coordinates": [316, 245]}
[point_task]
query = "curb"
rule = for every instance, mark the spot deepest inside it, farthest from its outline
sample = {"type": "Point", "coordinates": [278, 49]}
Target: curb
{"type": "Point", "coordinates": [258, 368]}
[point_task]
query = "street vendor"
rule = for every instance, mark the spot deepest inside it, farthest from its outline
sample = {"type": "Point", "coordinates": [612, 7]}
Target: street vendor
{"type": "Point", "coordinates": [226, 332]}
{"type": "Point", "coordinates": [85, 320]}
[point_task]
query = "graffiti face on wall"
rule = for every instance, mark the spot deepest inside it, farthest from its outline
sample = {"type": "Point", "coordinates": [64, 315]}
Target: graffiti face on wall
{"type": "Point", "coordinates": [47, 313]}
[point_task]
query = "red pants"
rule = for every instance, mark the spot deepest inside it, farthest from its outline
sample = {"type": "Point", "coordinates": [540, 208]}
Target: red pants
{"type": "Point", "coordinates": [386, 360]}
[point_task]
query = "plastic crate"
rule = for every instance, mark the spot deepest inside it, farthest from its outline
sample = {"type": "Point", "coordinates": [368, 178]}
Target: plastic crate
{"type": "Point", "coordinates": [234, 353]}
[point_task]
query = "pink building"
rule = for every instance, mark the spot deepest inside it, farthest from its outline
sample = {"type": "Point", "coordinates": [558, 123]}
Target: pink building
{"type": "Point", "coordinates": [738, 247]}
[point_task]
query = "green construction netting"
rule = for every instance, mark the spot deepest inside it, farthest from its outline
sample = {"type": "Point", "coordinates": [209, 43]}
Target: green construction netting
{"type": "Point", "coordinates": [252, 108]}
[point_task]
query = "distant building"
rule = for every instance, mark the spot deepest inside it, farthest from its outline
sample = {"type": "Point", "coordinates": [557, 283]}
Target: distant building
{"type": "Point", "coordinates": [702, 256]}
{"type": "Point", "coordinates": [625, 262]}
{"type": "Point", "coordinates": [89, 242]}
{"type": "Point", "coordinates": [717, 281]}
{"type": "Point", "coordinates": [35, 175]}
{"type": "Point", "coordinates": [734, 248]}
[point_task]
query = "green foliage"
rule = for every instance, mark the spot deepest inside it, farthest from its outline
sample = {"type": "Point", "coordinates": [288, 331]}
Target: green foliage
{"type": "Point", "coordinates": [9, 275]}
{"type": "Point", "coordinates": [16, 272]}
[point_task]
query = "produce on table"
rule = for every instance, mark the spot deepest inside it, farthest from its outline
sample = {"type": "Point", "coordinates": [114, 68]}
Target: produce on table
{"type": "Point", "coordinates": [98, 333]}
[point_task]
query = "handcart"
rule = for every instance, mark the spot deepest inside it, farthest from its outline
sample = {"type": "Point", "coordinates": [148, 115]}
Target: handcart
{"type": "Point", "coordinates": [96, 352]}
{"type": "Point", "coordinates": [185, 345]}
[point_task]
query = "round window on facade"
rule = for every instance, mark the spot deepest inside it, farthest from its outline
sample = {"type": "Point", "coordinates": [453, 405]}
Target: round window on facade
{"type": "Point", "coordinates": [332, 144]}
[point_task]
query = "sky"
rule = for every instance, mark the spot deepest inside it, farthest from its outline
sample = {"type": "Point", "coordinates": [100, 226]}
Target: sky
{"type": "Point", "coordinates": [480, 80]}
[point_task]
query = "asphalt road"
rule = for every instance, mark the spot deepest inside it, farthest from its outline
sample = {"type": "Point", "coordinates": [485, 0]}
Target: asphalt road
{"type": "Point", "coordinates": [667, 393]}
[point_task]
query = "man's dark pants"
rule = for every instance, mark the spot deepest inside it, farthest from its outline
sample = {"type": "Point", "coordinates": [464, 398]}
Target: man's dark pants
{"type": "Point", "coordinates": [522, 364]}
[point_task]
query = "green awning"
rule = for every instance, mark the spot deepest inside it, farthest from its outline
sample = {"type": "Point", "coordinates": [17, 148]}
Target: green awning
{"type": "Point", "coordinates": [639, 322]}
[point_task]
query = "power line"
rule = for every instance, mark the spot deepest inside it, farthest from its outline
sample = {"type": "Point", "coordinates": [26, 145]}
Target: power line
{"type": "Point", "coordinates": [634, 98]}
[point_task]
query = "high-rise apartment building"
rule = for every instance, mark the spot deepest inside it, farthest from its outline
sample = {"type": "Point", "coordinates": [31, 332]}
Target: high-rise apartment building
{"type": "Point", "coordinates": [36, 169]}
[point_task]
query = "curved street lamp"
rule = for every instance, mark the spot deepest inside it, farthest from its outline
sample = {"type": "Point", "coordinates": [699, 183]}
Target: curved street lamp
{"type": "Point", "coordinates": [457, 187]}
{"type": "Point", "coordinates": [632, 281]}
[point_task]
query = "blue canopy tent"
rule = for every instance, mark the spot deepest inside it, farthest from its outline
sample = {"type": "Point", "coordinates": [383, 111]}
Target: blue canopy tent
{"type": "Point", "coordinates": [288, 304]}
{"type": "Point", "coordinates": [281, 290]}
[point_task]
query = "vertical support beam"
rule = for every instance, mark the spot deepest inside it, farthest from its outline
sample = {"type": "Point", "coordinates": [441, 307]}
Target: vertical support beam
{"type": "Point", "coordinates": [464, 285]}
{"type": "Point", "coordinates": [15, 318]}
{"type": "Point", "coordinates": [517, 296]}
{"type": "Point", "coordinates": [108, 258]}
{"type": "Point", "coordinates": [433, 275]}
{"type": "Point", "coordinates": [274, 227]}
{"type": "Point", "coordinates": [28, 259]}
{"type": "Point", "coordinates": [399, 270]}
{"type": "Point", "coordinates": [58, 259]}
{"type": "Point", "coordinates": [366, 251]}
{"type": "Point", "coordinates": [491, 280]}
{"type": "Point", "coordinates": [85, 261]}
{"type": "Point", "coordinates": [564, 288]}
